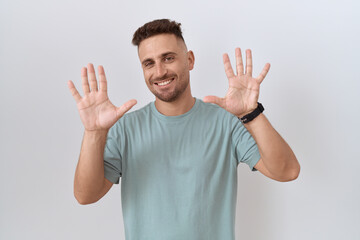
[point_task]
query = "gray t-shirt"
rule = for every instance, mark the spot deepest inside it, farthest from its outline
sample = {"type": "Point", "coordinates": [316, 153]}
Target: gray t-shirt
{"type": "Point", "coordinates": [179, 173]}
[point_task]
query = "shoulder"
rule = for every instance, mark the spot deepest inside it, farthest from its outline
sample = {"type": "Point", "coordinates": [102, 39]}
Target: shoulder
{"type": "Point", "coordinates": [210, 108]}
{"type": "Point", "coordinates": [137, 114]}
{"type": "Point", "coordinates": [132, 118]}
{"type": "Point", "coordinates": [213, 111]}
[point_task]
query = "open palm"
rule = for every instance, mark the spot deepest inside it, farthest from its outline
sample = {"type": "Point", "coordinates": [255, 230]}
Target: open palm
{"type": "Point", "coordinates": [95, 109]}
{"type": "Point", "coordinates": [243, 93]}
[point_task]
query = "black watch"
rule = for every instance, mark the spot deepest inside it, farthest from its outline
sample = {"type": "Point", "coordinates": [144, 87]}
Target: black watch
{"type": "Point", "coordinates": [249, 117]}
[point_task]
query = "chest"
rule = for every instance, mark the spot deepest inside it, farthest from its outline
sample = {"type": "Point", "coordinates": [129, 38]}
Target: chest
{"type": "Point", "coordinates": [178, 148]}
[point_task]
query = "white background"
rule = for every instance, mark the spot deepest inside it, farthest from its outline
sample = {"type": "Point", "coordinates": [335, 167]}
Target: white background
{"type": "Point", "coordinates": [310, 96]}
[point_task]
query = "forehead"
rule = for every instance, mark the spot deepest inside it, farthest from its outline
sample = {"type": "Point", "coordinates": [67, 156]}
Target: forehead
{"type": "Point", "coordinates": [154, 46]}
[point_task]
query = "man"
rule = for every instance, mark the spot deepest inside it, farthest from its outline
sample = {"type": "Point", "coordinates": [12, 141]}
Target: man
{"type": "Point", "coordinates": [177, 156]}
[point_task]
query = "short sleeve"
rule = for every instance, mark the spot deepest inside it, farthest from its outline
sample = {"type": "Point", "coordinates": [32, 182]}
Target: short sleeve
{"type": "Point", "coordinates": [245, 147]}
{"type": "Point", "coordinates": [112, 153]}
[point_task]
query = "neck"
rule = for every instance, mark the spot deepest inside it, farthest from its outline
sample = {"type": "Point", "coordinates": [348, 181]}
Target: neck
{"type": "Point", "coordinates": [180, 106]}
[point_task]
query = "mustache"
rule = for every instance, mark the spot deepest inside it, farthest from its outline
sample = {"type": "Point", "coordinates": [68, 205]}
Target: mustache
{"type": "Point", "coordinates": [167, 76]}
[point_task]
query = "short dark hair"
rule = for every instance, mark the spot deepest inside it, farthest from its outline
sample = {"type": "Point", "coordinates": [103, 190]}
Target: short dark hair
{"type": "Point", "coordinates": [156, 27]}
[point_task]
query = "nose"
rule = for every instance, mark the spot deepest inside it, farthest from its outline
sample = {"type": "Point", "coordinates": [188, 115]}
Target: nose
{"type": "Point", "coordinates": [161, 70]}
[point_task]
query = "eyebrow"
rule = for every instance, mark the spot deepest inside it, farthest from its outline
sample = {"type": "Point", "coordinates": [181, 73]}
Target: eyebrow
{"type": "Point", "coordinates": [162, 55]}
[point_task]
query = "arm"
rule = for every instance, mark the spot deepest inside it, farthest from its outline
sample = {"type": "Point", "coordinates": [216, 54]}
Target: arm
{"type": "Point", "coordinates": [89, 183]}
{"type": "Point", "coordinates": [277, 159]}
{"type": "Point", "coordinates": [98, 115]}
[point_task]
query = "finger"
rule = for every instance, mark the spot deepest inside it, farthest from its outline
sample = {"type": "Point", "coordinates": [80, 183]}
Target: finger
{"type": "Point", "coordinates": [239, 62]}
{"type": "Point", "coordinates": [120, 111]}
{"type": "Point", "coordinates": [73, 91]}
{"type": "Point", "coordinates": [216, 100]}
{"type": "Point", "coordinates": [92, 77]}
{"type": "Point", "coordinates": [84, 80]}
{"type": "Point", "coordinates": [263, 73]}
{"type": "Point", "coordinates": [248, 63]}
{"type": "Point", "coordinates": [102, 79]}
{"type": "Point", "coordinates": [227, 66]}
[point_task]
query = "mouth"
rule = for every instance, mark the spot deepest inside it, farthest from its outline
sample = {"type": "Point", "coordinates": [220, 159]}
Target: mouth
{"type": "Point", "coordinates": [165, 82]}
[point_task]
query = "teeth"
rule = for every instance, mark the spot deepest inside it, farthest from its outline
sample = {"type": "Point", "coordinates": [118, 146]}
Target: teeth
{"type": "Point", "coordinates": [164, 83]}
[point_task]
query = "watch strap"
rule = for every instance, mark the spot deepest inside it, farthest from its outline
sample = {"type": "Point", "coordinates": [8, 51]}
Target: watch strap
{"type": "Point", "coordinates": [251, 116]}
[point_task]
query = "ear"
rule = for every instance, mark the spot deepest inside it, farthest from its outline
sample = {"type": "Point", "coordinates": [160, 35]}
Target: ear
{"type": "Point", "coordinates": [191, 59]}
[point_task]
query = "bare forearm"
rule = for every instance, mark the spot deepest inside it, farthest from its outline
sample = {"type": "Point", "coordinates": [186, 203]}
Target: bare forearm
{"type": "Point", "coordinates": [275, 153]}
{"type": "Point", "coordinates": [89, 175]}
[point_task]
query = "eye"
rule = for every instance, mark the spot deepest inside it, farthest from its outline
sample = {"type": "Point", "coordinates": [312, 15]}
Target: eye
{"type": "Point", "coordinates": [169, 59]}
{"type": "Point", "coordinates": [148, 64]}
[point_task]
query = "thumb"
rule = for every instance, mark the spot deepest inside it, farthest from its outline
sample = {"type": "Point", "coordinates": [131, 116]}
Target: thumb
{"type": "Point", "coordinates": [216, 100]}
{"type": "Point", "coordinates": [120, 111]}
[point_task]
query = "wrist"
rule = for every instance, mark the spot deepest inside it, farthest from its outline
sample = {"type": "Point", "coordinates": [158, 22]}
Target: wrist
{"type": "Point", "coordinates": [246, 113]}
{"type": "Point", "coordinates": [97, 132]}
{"type": "Point", "coordinates": [253, 114]}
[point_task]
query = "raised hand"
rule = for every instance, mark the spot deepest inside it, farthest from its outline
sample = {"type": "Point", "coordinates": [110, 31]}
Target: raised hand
{"type": "Point", "coordinates": [96, 110]}
{"type": "Point", "coordinates": [243, 93]}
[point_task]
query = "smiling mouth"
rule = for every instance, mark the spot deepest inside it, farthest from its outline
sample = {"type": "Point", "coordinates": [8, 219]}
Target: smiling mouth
{"type": "Point", "coordinates": [163, 83]}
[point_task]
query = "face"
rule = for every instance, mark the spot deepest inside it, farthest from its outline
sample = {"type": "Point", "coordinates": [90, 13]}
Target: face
{"type": "Point", "coordinates": [166, 64]}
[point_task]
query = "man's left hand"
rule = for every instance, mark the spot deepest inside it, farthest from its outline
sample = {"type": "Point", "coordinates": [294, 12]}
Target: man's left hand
{"type": "Point", "coordinates": [243, 93]}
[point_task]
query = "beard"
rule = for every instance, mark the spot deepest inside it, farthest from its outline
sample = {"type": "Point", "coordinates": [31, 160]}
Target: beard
{"type": "Point", "coordinates": [170, 96]}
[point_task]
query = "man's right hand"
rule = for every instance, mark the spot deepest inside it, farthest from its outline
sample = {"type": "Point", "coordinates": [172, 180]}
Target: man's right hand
{"type": "Point", "coordinates": [97, 113]}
